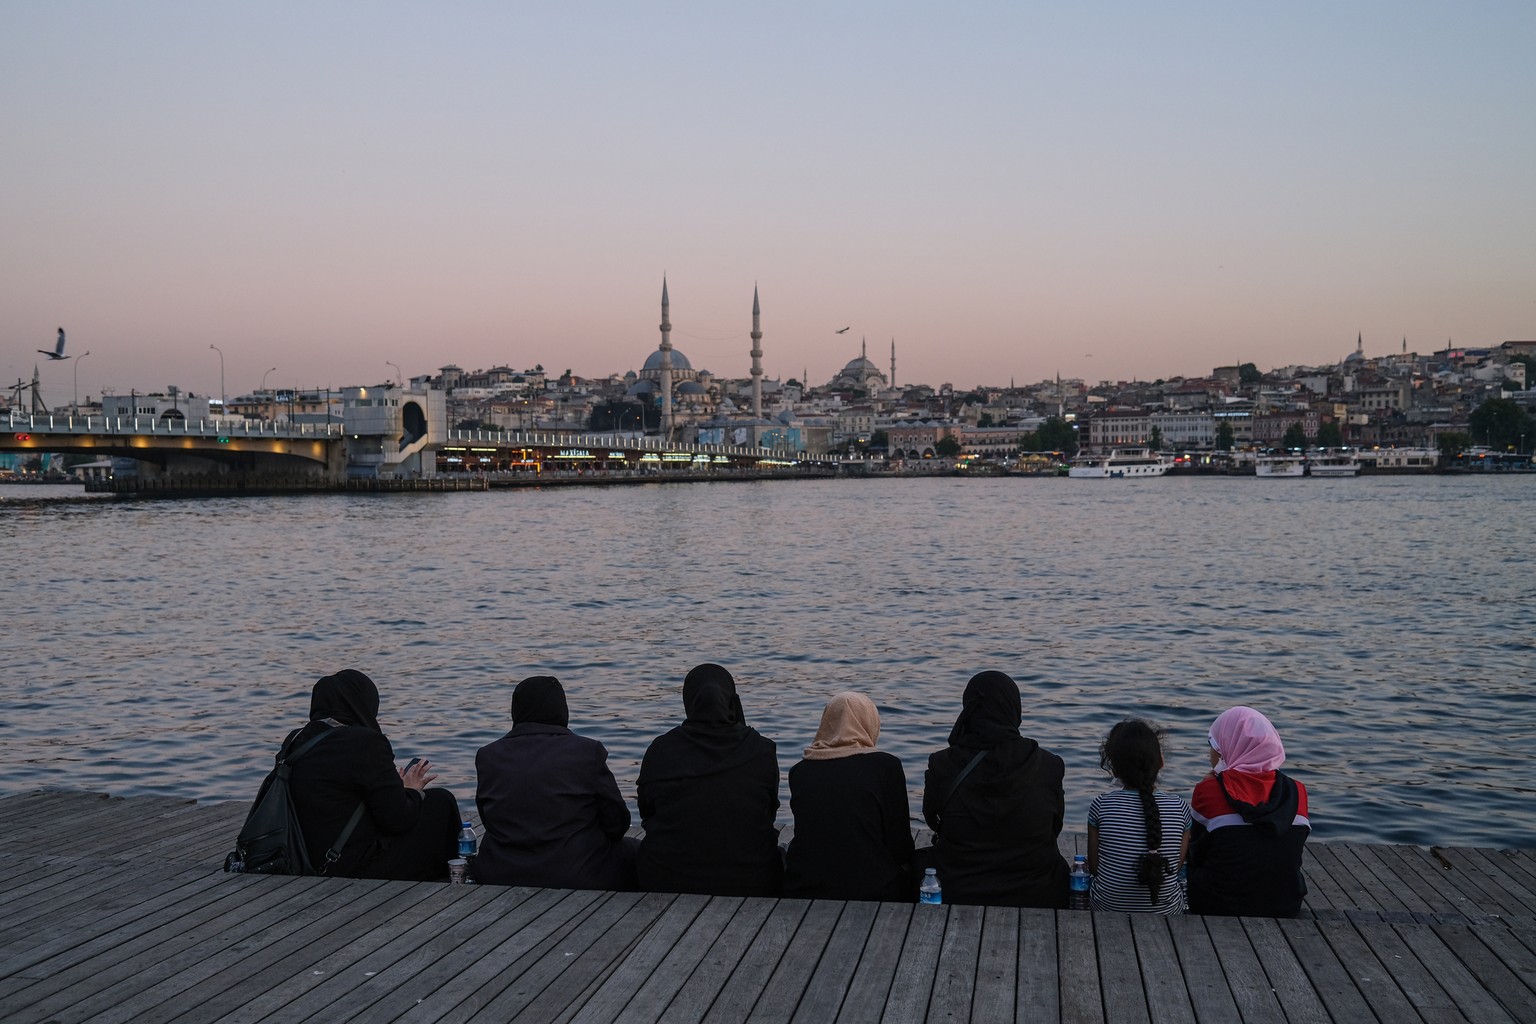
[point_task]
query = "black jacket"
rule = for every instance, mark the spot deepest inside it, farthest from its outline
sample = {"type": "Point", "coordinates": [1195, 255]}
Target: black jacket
{"type": "Point", "coordinates": [995, 838]}
{"type": "Point", "coordinates": [853, 833]}
{"type": "Point", "coordinates": [552, 812]}
{"type": "Point", "coordinates": [708, 805]}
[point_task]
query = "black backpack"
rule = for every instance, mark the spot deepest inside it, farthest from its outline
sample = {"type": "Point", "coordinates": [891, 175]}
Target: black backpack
{"type": "Point", "coordinates": [271, 841]}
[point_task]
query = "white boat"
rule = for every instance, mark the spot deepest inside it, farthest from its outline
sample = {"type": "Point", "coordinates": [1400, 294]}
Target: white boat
{"type": "Point", "coordinates": [1122, 462]}
{"type": "Point", "coordinates": [1339, 462]}
{"type": "Point", "coordinates": [1283, 464]}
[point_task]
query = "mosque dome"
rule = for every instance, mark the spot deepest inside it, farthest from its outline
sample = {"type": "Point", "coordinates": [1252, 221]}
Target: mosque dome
{"type": "Point", "coordinates": [860, 367]}
{"type": "Point", "coordinates": [641, 387]}
{"type": "Point", "coordinates": [679, 361]}
{"type": "Point", "coordinates": [727, 406]}
{"type": "Point", "coordinates": [689, 387]}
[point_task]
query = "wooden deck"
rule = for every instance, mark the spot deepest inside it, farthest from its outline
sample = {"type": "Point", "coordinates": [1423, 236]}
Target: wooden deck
{"type": "Point", "coordinates": [116, 910]}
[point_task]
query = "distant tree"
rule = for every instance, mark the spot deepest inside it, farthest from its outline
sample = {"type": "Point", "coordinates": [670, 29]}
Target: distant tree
{"type": "Point", "coordinates": [1155, 439]}
{"type": "Point", "coordinates": [1453, 444]}
{"type": "Point", "coordinates": [1499, 423]}
{"type": "Point", "coordinates": [791, 383]}
{"type": "Point", "coordinates": [1056, 434]}
{"type": "Point", "coordinates": [879, 439]}
{"type": "Point", "coordinates": [1295, 436]}
{"type": "Point", "coordinates": [985, 420]}
{"type": "Point", "coordinates": [1329, 435]}
{"type": "Point", "coordinates": [1224, 437]}
{"type": "Point", "coordinates": [947, 448]}
{"type": "Point", "coordinates": [1247, 373]}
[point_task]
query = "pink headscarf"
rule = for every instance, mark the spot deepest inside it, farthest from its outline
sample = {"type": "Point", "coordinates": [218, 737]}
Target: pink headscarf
{"type": "Point", "coordinates": [850, 725]}
{"type": "Point", "coordinates": [1246, 741]}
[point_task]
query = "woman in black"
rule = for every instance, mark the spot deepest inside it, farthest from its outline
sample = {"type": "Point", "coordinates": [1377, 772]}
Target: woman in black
{"type": "Point", "coordinates": [853, 836]}
{"type": "Point", "coordinates": [994, 801]}
{"type": "Point", "coordinates": [708, 793]}
{"type": "Point", "coordinates": [407, 831]}
{"type": "Point", "coordinates": [551, 809]}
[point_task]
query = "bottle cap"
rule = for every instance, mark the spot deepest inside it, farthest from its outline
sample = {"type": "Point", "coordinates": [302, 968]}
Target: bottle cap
{"type": "Point", "coordinates": [931, 871]}
{"type": "Point", "coordinates": [1081, 857]}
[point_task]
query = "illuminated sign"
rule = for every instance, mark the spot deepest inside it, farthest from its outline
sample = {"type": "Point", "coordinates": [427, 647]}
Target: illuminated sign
{"type": "Point", "coordinates": [616, 455]}
{"type": "Point", "coordinates": [676, 457]}
{"type": "Point", "coordinates": [650, 457]}
{"type": "Point", "coordinates": [575, 453]}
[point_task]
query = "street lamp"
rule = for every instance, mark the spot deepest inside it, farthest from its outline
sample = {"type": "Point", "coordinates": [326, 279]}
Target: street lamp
{"type": "Point", "coordinates": [223, 398]}
{"type": "Point", "coordinates": [267, 393]}
{"type": "Point", "coordinates": [77, 380]}
{"type": "Point", "coordinates": [399, 377]}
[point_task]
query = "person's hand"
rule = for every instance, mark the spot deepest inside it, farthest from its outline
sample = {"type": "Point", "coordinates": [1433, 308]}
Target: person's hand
{"type": "Point", "coordinates": [415, 776]}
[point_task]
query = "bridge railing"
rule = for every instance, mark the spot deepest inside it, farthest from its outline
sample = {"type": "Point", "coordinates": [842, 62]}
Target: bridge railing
{"type": "Point", "coordinates": [548, 439]}
{"type": "Point", "coordinates": [51, 423]}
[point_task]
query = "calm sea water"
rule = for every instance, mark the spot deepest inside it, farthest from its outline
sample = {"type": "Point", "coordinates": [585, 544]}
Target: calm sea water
{"type": "Point", "coordinates": [1384, 624]}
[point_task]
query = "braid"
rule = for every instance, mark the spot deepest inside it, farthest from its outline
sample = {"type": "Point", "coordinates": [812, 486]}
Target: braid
{"type": "Point", "coordinates": [1133, 753]}
{"type": "Point", "coordinates": [1152, 866]}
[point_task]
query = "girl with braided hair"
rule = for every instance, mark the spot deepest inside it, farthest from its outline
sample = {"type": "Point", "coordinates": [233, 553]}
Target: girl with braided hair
{"type": "Point", "coordinates": [1137, 835]}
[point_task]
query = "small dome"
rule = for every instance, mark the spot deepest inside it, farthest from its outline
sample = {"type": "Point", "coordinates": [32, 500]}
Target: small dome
{"type": "Point", "coordinates": [726, 405]}
{"type": "Point", "coordinates": [860, 366]}
{"type": "Point", "coordinates": [679, 361]}
{"type": "Point", "coordinates": [629, 378]}
{"type": "Point", "coordinates": [641, 387]}
{"type": "Point", "coordinates": [689, 387]}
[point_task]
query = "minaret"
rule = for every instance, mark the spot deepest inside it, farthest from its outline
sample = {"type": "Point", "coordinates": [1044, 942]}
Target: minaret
{"type": "Point", "coordinates": [666, 363]}
{"type": "Point", "coordinates": [1360, 344]}
{"type": "Point", "coordinates": [893, 362]}
{"type": "Point", "coordinates": [757, 358]}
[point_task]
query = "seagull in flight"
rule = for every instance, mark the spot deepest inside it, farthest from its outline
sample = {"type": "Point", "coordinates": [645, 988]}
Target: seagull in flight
{"type": "Point", "coordinates": [845, 330]}
{"type": "Point", "coordinates": [58, 349]}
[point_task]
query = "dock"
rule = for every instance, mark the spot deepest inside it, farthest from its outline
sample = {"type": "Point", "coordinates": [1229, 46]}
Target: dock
{"type": "Point", "coordinates": [117, 909]}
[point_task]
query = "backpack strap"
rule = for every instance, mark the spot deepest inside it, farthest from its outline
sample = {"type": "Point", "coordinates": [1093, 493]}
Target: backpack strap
{"type": "Point", "coordinates": [334, 853]}
{"type": "Point", "coordinates": [969, 767]}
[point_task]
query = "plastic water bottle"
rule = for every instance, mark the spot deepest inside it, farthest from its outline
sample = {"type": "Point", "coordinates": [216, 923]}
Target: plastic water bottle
{"type": "Point", "coordinates": [467, 841]}
{"type": "Point", "coordinates": [929, 891]}
{"type": "Point", "coordinates": [1082, 881]}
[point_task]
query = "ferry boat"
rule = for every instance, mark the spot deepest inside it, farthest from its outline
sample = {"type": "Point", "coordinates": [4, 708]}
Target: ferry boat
{"type": "Point", "coordinates": [1121, 462]}
{"type": "Point", "coordinates": [1338, 462]}
{"type": "Point", "coordinates": [1281, 464]}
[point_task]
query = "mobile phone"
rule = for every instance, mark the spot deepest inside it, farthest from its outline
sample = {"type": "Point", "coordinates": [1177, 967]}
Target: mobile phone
{"type": "Point", "coordinates": [414, 762]}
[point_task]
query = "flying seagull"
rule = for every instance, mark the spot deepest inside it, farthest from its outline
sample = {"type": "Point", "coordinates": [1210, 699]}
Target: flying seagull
{"type": "Point", "coordinates": [58, 350]}
{"type": "Point", "coordinates": [845, 330]}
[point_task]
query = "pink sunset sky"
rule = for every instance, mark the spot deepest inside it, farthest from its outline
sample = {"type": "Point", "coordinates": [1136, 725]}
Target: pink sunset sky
{"type": "Point", "coordinates": [1010, 190]}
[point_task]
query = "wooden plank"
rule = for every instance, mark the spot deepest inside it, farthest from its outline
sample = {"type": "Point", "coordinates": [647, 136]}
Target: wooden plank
{"type": "Point", "coordinates": [1509, 883]}
{"type": "Point", "coordinates": [1478, 951]}
{"type": "Point", "coordinates": [1433, 878]}
{"type": "Point", "coordinates": [1321, 881]}
{"type": "Point", "coordinates": [1390, 877]}
{"type": "Point", "coordinates": [870, 986]}
{"type": "Point", "coordinates": [1038, 999]}
{"type": "Point", "coordinates": [781, 994]}
{"type": "Point", "coordinates": [1471, 999]}
{"type": "Point", "coordinates": [218, 985]}
{"type": "Point", "coordinates": [1416, 983]}
{"type": "Point", "coordinates": [826, 990]}
{"type": "Point", "coordinates": [68, 894]}
{"type": "Point", "coordinates": [1288, 980]}
{"type": "Point", "coordinates": [1204, 979]}
{"type": "Point", "coordinates": [954, 976]}
{"type": "Point", "coordinates": [696, 995]}
{"type": "Point", "coordinates": [1330, 978]}
{"type": "Point", "coordinates": [1245, 977]}
{"type": "Point", "coordinates": [661, 984]}
{"type": "Point", "coordinates": [1161, 977]}
{"type": "Point", "coordinates": [1081, 1001]}
{"type": "Point", "coordinates": [1356, 891]}
{"type": "Point", "coordinates": [611, 1002]}
{"type": "Point", "coordinates": [109, 969]}
{"type": "Point", "coordinates": [734, 1000]}
{"type": "Point", "coordinates": [277, 996]}
{"type": "Point", "coordinates": [1120, 984]}
{"type": "Point", "coordinates": [912, 983]}
{"type": "Point", "coordinates": [997, 966]}
{"type": "Point", "coordinates": [1469, 879]}
{"type": "Point", "coordinates": [500, 955]}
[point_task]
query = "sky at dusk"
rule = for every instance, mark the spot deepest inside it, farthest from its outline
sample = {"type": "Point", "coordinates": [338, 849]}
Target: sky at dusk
{"type": "Point", "coordinates": [1010, 190]}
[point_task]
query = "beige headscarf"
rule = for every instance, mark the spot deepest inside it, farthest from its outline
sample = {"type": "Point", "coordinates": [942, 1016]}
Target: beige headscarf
{"type": "Point", "coordinates": [850, 725]}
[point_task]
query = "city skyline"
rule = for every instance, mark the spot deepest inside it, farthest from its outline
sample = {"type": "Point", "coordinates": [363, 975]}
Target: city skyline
{"type": "Point", "coordinates": [1008, 192]}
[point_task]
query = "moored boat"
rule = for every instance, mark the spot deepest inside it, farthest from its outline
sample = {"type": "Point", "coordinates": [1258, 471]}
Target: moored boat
{"type": "Point", "coordinates": [1282, 464]}
{"type": "Point", "coordinates": [1333, 462]}
{"type": "Point", "coordinates": [1120, 462]}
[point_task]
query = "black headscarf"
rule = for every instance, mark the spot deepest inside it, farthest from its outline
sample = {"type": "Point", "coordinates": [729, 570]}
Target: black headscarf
{"type": "Point", "coordinates": [710, 702]}
{"type": "Point", "coordinates": [992, 711]}
{"type": "Point", "coordinates": [349, 697]}
{"type": "Point", "coordinates": [540, 700]}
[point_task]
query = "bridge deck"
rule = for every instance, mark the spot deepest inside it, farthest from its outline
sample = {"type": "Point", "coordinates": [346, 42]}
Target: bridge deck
{"type": "Point", "coordinates": [114, 910]}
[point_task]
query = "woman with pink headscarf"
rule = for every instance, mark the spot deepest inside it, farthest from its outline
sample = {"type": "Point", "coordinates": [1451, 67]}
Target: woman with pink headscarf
{"type": "Point", "coordinates": [853, 833]}
{"type": "Point", "coordinates": [1250, 824]}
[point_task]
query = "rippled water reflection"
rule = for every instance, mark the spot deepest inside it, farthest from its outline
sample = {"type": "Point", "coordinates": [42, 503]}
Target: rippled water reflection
{"type": "Point", "coordinates": [1383, 623]}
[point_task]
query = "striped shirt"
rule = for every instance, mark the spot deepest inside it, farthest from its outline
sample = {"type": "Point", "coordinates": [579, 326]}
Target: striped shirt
{"type": "Point", "coordinates": [1118, 817]}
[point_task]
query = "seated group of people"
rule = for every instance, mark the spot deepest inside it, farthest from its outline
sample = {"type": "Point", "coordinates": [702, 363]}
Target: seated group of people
{"type": "Point", "coordinates": [708, 794]}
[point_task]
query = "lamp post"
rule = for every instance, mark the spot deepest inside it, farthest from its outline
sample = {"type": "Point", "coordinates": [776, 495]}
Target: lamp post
{"type": "Point", "coordinates": [223, 398]}
{"type": "Point", "coordinates": [266, 393]}
{"type": "Point", "coordinates": [399, 377]}
{"type": "Point", "coordinates": [76, 403]}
